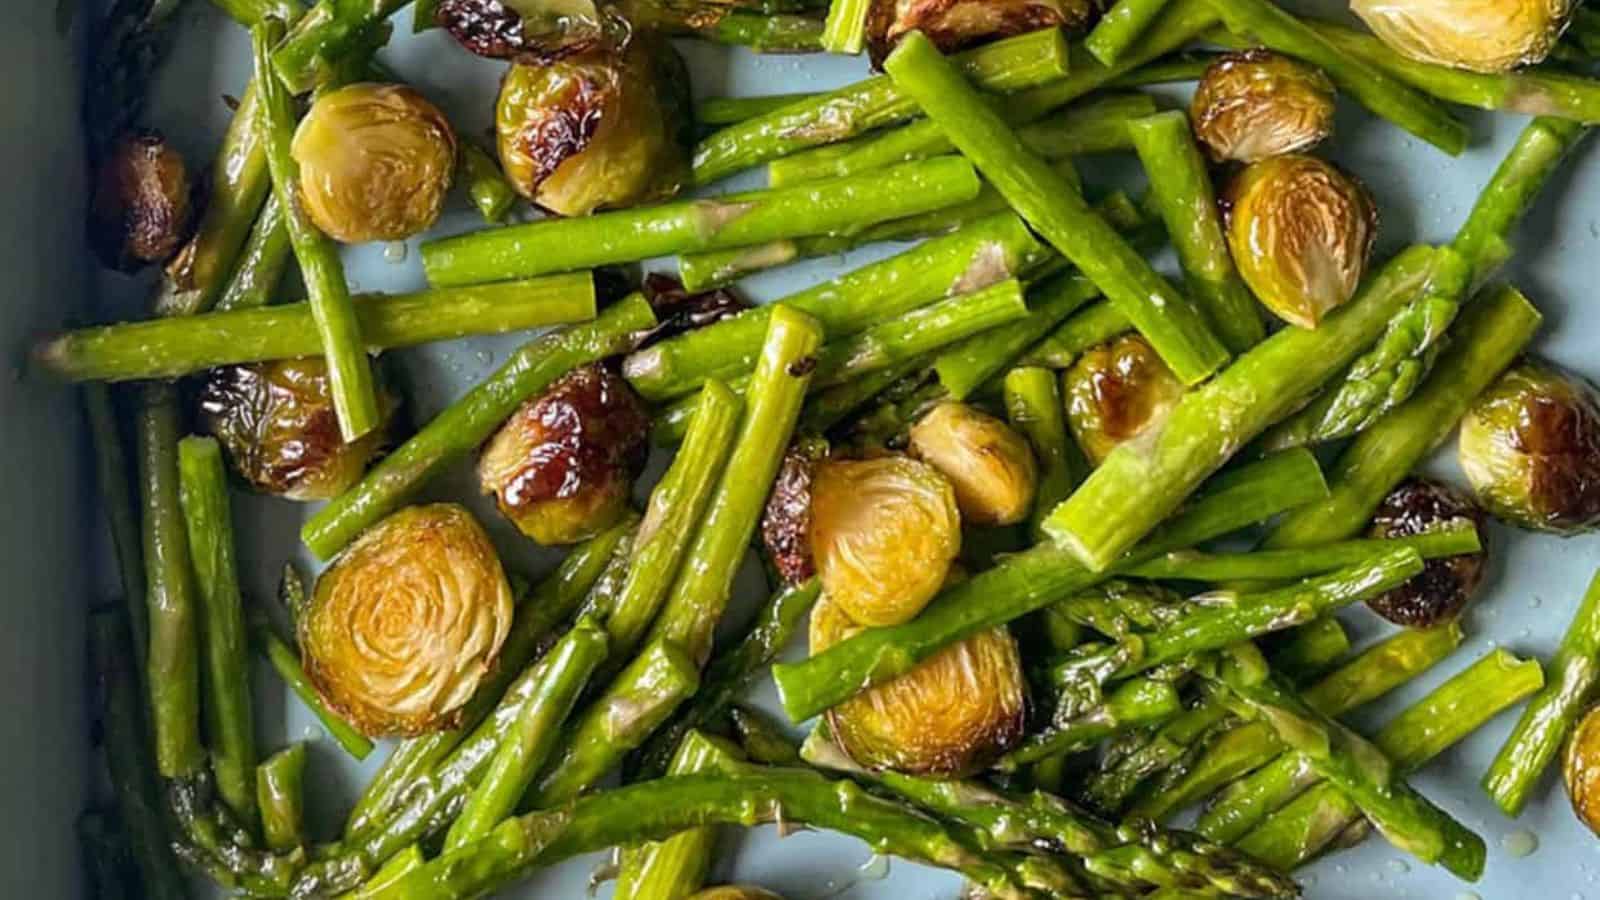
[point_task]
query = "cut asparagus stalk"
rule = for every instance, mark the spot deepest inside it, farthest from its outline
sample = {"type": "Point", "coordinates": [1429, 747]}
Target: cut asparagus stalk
{"type": "Point", "coordinates": [677, 867]}
{"type": "Point", "coordinates": [1281, 565]}
{"type": "Point", "coordinates": [286, 663]}
{"type": "Point", "coordinates": [1034, 407]}
{"type": "Point", "coordinates": [280, 793]}
{"type": "Point", "coordinates": [1120, 27]}
{"type": "Point", "coordinates": [1061, 348]}
{"type": "Point", "coordinates": [965, 367]}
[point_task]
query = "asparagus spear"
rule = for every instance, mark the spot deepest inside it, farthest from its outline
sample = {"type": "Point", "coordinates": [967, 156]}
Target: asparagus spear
{"type": "Point", "coordinates": [286, 662]}
{"type": "Point", "coordinates": [762, 738]}
{"type": "Point", "coordinates": [1138, 701]}
{"type": "Point", "coordinates": [326, 33]}
{"type": "Point", "coordinates": [263, 259]}
{"type": "Point", "coordinates": [1569, 682]}
{"type": "Point", "coordinates": [116, 497]}
{"type": "Point", "coordinates": [733, 110]}
{"type": "Point", "coordinates": [1189, 65]}
{"type": "Point", "coordinates": [1033, 404]}
{"type": "Point", "coordinates": [1120, 27]}
{"type": "Point", "coordinates": [1279, 565]}
{"type": "Point", "coordinates": [1177, 331]}
{"type": "Point", "coordinates": [469, 421]}
{"type": "Point", "coordinates": [280, 794]}
{"type": "Point", "coordinates": [965, 367]}
{"type": "Point", "coordinates": [760, 32]}
{"type": "Point", "coordinates": [491, 193]}
{"type": "Point", "coordinates": [1512, 190]}
{"type": "Point", "coordinates": [826, 409]}
{"type": "Point", "coordinates": [846, 28]}
{"type": "Point", "coordinates": [677, 867]}
{"type": "Point", "coordinates": [1096, 324]}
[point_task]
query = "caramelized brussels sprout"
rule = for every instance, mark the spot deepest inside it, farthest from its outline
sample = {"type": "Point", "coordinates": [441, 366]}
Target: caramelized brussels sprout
{"type": "Point", "coordinates": [1481, 35]}
{"type": "Point", "coordinates": [678, 311]}
{"type": "Point", "coordinates": [376, 161]}
{"type": "Point", "coordinates": [562, 466]}
{"type": "Point", "coordinates": [534, 32]}
{"type": "Point", "coordinates": [1581, 769]}
{"type": "Point", "coordinates": [883, 533]}
{"type": "Point", "coordinates": [598, 130]}
{"type": "Point", "coordinates": [952, 715]}
{"type": "Point", "coordinates": [1256, 103]}
{"type": "Point", "coordinates": [141, 210]}
{"type": "Point", "coordinates": [407, 621]}
{"type": "Point", "coordinates": [277, 423]}
{"type": "Point", "coordinates": [1116, 392]}
{"type": "Point", "coordinates": [1441, 592]}
{"type": "Point", "coordinates": [786, 523]}
{"type": "Point", "coordinates": [988, 463]}
{"type": "Point", "coordinates": [955, 24]}
{"type": "Point", "coordinates": [1300, 232]}
{"type": "Point", "coordinates": [736, 892]}
{"type": "Point", "coordinates": [1530, 446]}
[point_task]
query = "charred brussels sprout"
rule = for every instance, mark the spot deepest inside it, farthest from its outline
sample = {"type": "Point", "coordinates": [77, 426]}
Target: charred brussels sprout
{"type": "Point", "coordinates": [407, 621]}
{"type": "Point", "coordinates": [883, 533]}
{"type": "Point", "coordinates": [277, 423]}
{"type": "Point", "coordinates": [141, 209]}
{"type": "Point", "coordinates": [1530, 446]}
{"type": "Point", "coordinates": [1116, 392]}
{"type": "Point", "coordinates": [678, 311]}
{"type": "Point", "coordinates": [1439, 594]}
{"type": "Point", "coordinates": [955, 24]}
{"type": "Point", "coordinates": [1300, 232]}
{"type": "Point", "coordinates": [598, 130]}
{"type": "Point", "coordinates": [376, 161]}
{"type": "Point", "coordinates": [786, 523]}
{"type": "Point", "coordinates": [534, 32]}
{"type": "Point", "coordinates": [561, 468]}
{"type": "Point", "coordinates": [1581, 769]}
{"type": "Point", "coordinates": [988, 463]}
{"type": "Point", "coordinates": [736, 892]}
{"type": "Point", "coordinates": [1481, 35]}
{"type": "Point", "coordinates": [950, 716]}
{"type": "Point", "coordinates": [1257, 104]}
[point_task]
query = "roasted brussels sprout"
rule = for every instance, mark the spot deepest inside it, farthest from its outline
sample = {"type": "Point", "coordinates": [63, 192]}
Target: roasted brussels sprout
{"type": "Point", "coordinates": [786, 523]}
{"type": "Point", "coordinates": [562, 466]}
{"type": "Point", "coordinates": [1581, 769]}
{"type": "Point", "coordinates": [376, 161]}
{"type": "Point", "coordinates": [1116, 392]}
{"type": "Point", "coordinates": [534, 32]}
{"type": "Point", "coordinates": [988, 463]}
{"type": "Point", "coordinates": [883, 533]}
{"type": "Point", "coordinates": [1300, 232]}
{"type": "Point", "coordinates": [407, 621]}
{"type": "Point", "coordinates": [736, 892]}
{"type": "Point", "coordinates": [954, 24]}
{"type": "Point", "coordinates": [1481, 35]}
{"type": "Point", "coordinates": [1439, 594]}
{"type": "Point", "coordinates": [678, 311]}
{"type": "Point", "coordinates": [1530, 446]}
{"type": "Point", "coordinates": [950, 716]}
{"type": "Point", "coordinates": [598, 130]}
{"type": "Point", "coordinates": [1256, 103]}
{"type": "Point", "coordinates": [277, 423]}
{"type": "Point", "coordinates": [141, 209]}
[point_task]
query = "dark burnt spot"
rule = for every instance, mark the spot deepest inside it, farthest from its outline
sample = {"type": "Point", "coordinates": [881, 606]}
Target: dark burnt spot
{"type": "Point", "coordinates": [957, 24]}
{"type": "Point", "coordinates": [803, 367]}
{"type": "Point", "coordinates": [1442, 590]}
{"type": "Point", "coordinates": [786, 524]}
{"type": "Point", "coordinates": [492, 29]}
{"type": "Point", "coordinates": [678, 311]}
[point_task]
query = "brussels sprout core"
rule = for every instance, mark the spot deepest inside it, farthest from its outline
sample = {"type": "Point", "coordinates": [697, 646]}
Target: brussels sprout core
{"type": "Point", "coordinates": [407, 621]}
{"type": "Point", "coordinates": [1439, 594]}
{"type": "Point", "coordinates": [954, 24]}
{"type": "Point", "coordinates": [1581, 769]}
{"type": "Point", "coordinates": [1257, 104]}
{"type": "Point", "coordinates": [1116, 392]}
{"type": "Point", "coordinates": [990, 465]}
{"type": "Point", "coordinates": [141, 211]}
{"type": "Point", "coordinates": [1481, 35]}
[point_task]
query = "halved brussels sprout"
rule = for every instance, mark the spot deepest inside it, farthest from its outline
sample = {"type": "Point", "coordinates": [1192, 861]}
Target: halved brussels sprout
{"type": "Point", "coordinates": [277, 423]}
{"type": "Point", "coordinates": [952, 715]}
{"type": "Point", "coordinates": [736, 892]}
{"type": "Point", "coordinates": [955, 24]}
{"type": "Point", "coordinates": [1530, 446]}
{"type": "Point", "coordinates": [1481, 35]}
{"type": "Point", "coordinates": [562, 466]}
{"type": "Point", "coordinates": [988, 463]}
{"type": "Point", "coordinates": [1300, 232]}
{"type": "Point", "coordinates": [786, 522]}
{"type": "Point", "coordinates": [407, 621]}
{"type": "Point", "coordinates": [1255, 104]}
{"type": "Point", "coordinates": [1116, 392]}
{"type": "Point", "coordinates": [141, 211]}
{"type": "Point", "coordinates": [376, 161]}
{"type": "Point", "coordinates": [883, 533]}
{"type": "Point", "coordinates": [534, 32]}
{"type": "Point", "coordinates": [1441, 592]}
{"type": "Point", "coordinates": [1581, 769]}
{"type": "Point", "coordinates": [597, 131]}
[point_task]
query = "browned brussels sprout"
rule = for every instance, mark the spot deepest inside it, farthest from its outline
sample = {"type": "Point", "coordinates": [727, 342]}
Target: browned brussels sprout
{"type": "Point", "coordinates": [988, 463]}
{"type": "Point", "coordinates": [1441, 592]}
{"type": "Point", "coordinates": [534, 32]}
{"type": "Point", "coordinates": [955, 24]}
{"type": "Point", "coordinates": [561, 468]}
{"type": "Point", "coordinates": [597, 131]}
{"type": "Point", "coordinates": [376, 161]}
{"type": "Point", "coordinates": [952, 715]}
{"type": "Point", "coordinates": [736, 892]}
{"type": "Point", "coordinates": [1530, 446]}
{"type": "Point", "coordinates": [404, 625]}
{"type": "Point", "coordinates": [1481, 35]}
{"type": "Point", "coordinates": [786, 523]}
{"type": "Point", "coordinates": [678, 311]}
{"type": "Point", "coordinates": [1256, 103]}
{"type": "Point", "coordinates": [141, 209]}
{"type": "Point", "coordinates": [884, 532]}
{"type": "Point", "coordinates": [277, 423]}
{"type": "Point", "coordinates": [1116, 392]}
{"type": "Point", "coordinates": [1300, 231]}
{"type": "Point", "coordinates": [1581, 769]}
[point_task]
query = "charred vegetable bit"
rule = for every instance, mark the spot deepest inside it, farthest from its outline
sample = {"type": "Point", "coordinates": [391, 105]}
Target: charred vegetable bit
{"type": "Point", "coordinates": [141, 210]}
{"type": "Point", "coordinates": [1254, 104]}
{"type": "Point", "coordinates": [786, 522]}
{"type": "Point", "coordinates": [535, 32]}
{"type": "Point", "coordinates": [1441, 592]}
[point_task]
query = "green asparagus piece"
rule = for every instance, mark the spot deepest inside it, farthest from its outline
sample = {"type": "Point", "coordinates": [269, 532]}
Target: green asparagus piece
{"type": "Point", "coordinates": [1310, 651]}
{"type": "Point", "coordinates": [733, 110]}
{"type": "Point", "coordinates": [846, 28]}
{"type": "Point", "coordinates": [1095, 324]}
{"type": "Point", "coordinates": [491, 193]}
{"type": "Point", "coordinates": [1570, 677]}
{"type": "Point", "coordinates": [1279, 565]}
{"type": "Point", "coordinates": [762, 738]}
{"type": "Point", "coordinates": [965, 367]}
{"type": "Point", "coordinates": [838, 115]}
{"type": "Point", "coordinates": [112, 473]}
{"type": "Point", "coordinates": [262, 261]}
{"type": "Point", "coordinates": [280, 793]}
{"type": "Point", "coordinates": [677, 867]}
{"type": "Point", "coordinates": [1585, 30]}
{"type": "Point", "coordinates": [719, 24]}
{"type": "Point", "coordinates": [399, 866]}
{"type": "Point", "coordinates": [826, 409]}
{"type": "Point", "coordinates": [326, 33]}
{"type": "Point", "coordinates": [1512, 191]}
{"type": "Point", "coordinates": [1120, 27]}
{"type": "Point", "coordinates": [286, 662]}
{"type": "Point", "coordinates": [1173, 69]}
{"type": "Point", "coordinates": [1177, 331]}
{"type": "Point", "coordinates": [1138, 701]}
{"type": "Point", "coordinates": [1181, 185]}
{"type": "Point", "coordinates": [203, 483]}
{"type": "Point", "coordinates": [1033, 404]}
{"type": "Point", "coordinates": [1312, 821]}
{"type": "Point", "coordinates": [469, 421]}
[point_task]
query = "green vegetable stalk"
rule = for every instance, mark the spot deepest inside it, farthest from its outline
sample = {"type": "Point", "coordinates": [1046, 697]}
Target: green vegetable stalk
{"type": "Point", "coordinates": [1135, 702]}
{"type": "Point", "coordinates": [1292, 563]}
{"type": "Point", "coordinates": [677, 867]}
{"type": "Point", "coordinates": [491, 193]}
{"type": "Point", "coordinates": [1061, 348]}
{"type": "Point", "coordinates": [111, 472]}
{"type": "Point", "coordinates": [967, 366]}
{"type": "Point", "coordinates": [1034, 407]}
{"type": "Point", "coordinates": [263, 260]}
{"type": "Point", "coordinates": [286, 662]}
{"type": "Point", "coordinates": [280, 793]}
{"type": "Point", "coordinates": [845, 30]}
{"type": "Point", "coordinates": [1120, 27]}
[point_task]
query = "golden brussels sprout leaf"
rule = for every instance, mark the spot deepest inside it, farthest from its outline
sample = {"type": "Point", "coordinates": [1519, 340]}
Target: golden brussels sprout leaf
{"type": "Point", "coordinates": [376, 161]}
{"type": "Point", "coordinates": [951, 716]}
{"type": "Point", "coordinates": [956, 24]}
{"type": "Point", "coordinates": [562, 467]}
{"type": "Point", "coordinates": [407, 621]}
{"type": "Point", "coordinates": [597, 131]}
{"type": "Point", "coordinates": [1581, 769]}
{"type": "Point", "coordinates": [1116, 392]}
{"type": "Point", "coordinates": [736, 892]}
{"type": "Point", "coordinates": [1256, 104]}
{"type": "Point", "coordinates": [1530, 446]}
{"type": "Point", "coordinates": [534, 32]}
{"type": "Point", "coordinates": [1481, 35]}
{"type": "Point", "coordinates": [277, 423]}
{"type": "Point", "coordinates": [1301, 232]}
{"type": "Point", "coordinates": [883, 534]}
{"type": "Point", "coordinates": [1441, 592]}
{"type": "Point", "coordinates": [988, 463]}
{"type": "Point", "coordinates": [141, 210]}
